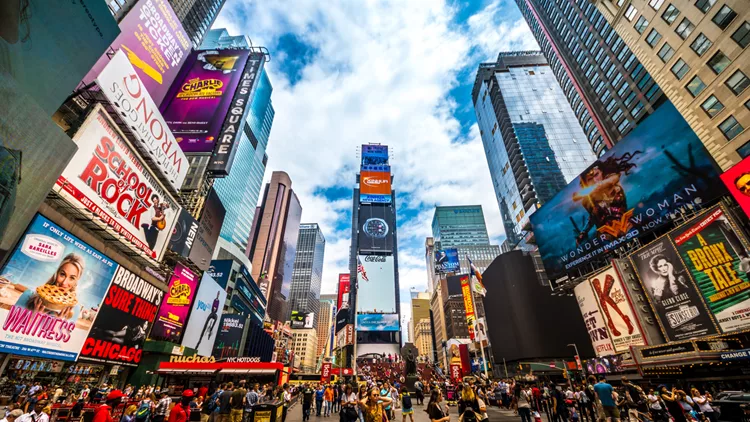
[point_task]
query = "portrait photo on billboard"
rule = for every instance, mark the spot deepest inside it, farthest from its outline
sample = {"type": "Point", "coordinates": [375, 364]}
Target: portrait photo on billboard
{"type": "Point", "coordinates": [656, 170]}
{"type": "Point", "coordinates": [737, 181]}
{"type": "Point", "coordinates": [123, 321]}
{"type": "Point", "coordinates": [377, 322]}
{"type": "Point", "coordinates": [374, 155]}
{"type": "Point", "coordinates": [376, 284]}
{"type": "Point", "coordinates": [52, 279]}
{"type": "Point", "coordinates": [132, 201]}
{"type": "Point", "coordinates": [716, 255]}
{"type": "Point", "coordinates": [618, 313]}
{"type": "Point", "coordinates": [376, 226]}
{"type": "Point", "coordinates": [203, 324]}
{"type": "Point", "coordinates": [228, 339]}
{"type": "Point", "coordinates": [198, 102]}
{"type": "Point", "coordinates": [446, 261]}
{"type": "Point", "coordinates": [671, 291]}
{"type": "Point", "coordinates": [173, 312]}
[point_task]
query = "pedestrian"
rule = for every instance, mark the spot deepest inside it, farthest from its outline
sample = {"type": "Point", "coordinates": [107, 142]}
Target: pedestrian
{"type": "Point", "coordinates": [237, 403]}
{"type": "Point", "coordinates": [385, 391]}
{"type": "Point", "coordinates": [656, 407]}
{"type": "Point", "coordinates": [308, 395]}
{"type": "Point", "coordinates": [524, 405]}
{"type": "Point", "coordinates": [143, 412]}
{"type": "Point", "coordinates": [202, 390]}
{"type": "Point", "coordinates": [162, 407]}
{"type": "Point", "coordinates": [181, 411]}
{"type": "Point", "coordinates": [704, 404]}
{"type": "Point", "coordinates": [636, 400]}
{"type": "Point", "coordinates": [406, 405]}
{"type": "Point", "coordinates": [12, 415]}
{"type": "Point", "coordinates": [129, 414]}
{"type": "Point", "coordinates": [419, 391]}
{"type": "Point", "coordinates": [373, 406]}
{"type": "Point", "coordinates": [286, 398]}
{"type": "Point", "coordinates": [361, 395]}
{"type": "Point", "coordinates": [671, 401]}
{"type": "Point", "coordinates": [328, 398]}
{"type": "Point", "coordinates": [37, 413]}
{"type": "Point", "coordinates": [349, 411]}
{"type": "Point", "coordinates": [436, 413]}
{"type": "Point", "coordinates": [251, 400]}
{"type": "Point", "coordinates": [319, 393]}
{"type": "Point", "coordinates": [225, 405]}
{"type": "Point", "coordinates": [468, 406]}
{"type": "Point", "coordinates": [104, 412]}
{"type": "Point", "coordinates": [605, 394]}
{"type": "Point", "coordinates": [558, 407]}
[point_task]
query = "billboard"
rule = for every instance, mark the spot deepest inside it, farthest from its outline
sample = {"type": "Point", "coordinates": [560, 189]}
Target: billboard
{"type": "Point", "coordinates": [737, 180]}
{"type": "Point", "coordinates": [480, 331]}
{"type": "Point", "coordinates": [342, 318]}
{"type": "Point", "coordinates": [377, 322]}
{"type": "Point", "coordinates": [153, 40]}
{"type": "Point", "coordinates": [677, 305]}
{"type": "Point", "coordinates": [325, 372]}
{"type": "Point", "coordinates": [376, 284]}
{"type": "Point", "coordinates": [108, 178]}
{"type": "Point", "coordinates": [183, 234]}
{"type": "Point", "coordinates": [126, 93]}
{"type": "Point", "coordinates": [229, 339]}
{"type": "Point", "coordinates": [170, 321]}
{"type": "Point", "coordinates": [219, 270]}
{"type": "Point", "coordinates": [618, 198]}
{"type": "Point", "coordinates": [716, 256]}
{"type": "Point", "coordinates": [343, 292]}
{"type": "Point", "coordinates": [209, 228]}
{"type": "Point", "coordinates": [345, 337]}
{"type": "Point", "coordinates": [302, 319]}
{"type": "Point", "coordinates": [446, 261]}
{"type": "Point", "coordinates": [376, 226]}
{"type": "Point", "coordinates": [617, 310]}
{"type": "Point", "coordinates": [52, 286]}
{"type": "Point", "coordinates": [200, 98]}
{"type": "Point", "coordinates": [374, 155]}
{"type": "Point", "coordinates": [123, 320]}
{"type": "Point", "coordinates": [203, 324]}
{"type": "Point", "coordinates": [593, 319]}
{"type": "Point", "coordinates": [375, 186]}
{"type": "Point", "coordinates": [468, 305]}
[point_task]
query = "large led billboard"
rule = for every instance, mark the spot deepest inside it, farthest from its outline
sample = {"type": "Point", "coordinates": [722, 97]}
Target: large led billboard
{"type": "Point", "coordinates": [183, 234]}
{"type": "Point", "coordinates": [229, 337]}
{"type": "Point", "coordinates": [51, 289]}
{"type": "Point", "coordinates": [170, 321]}
{"type": "Point", "coordinates": [209, 228]}
{"type": "Point", "coordinates": [343, 292]}
{"type": "Point", "coordinates": [109, 179]}
{"type": "Point", "coordinates": [376, 284]}
{"type": "Point", "coordinates": [123, 321]}
{"type": "Point", "coordinates": [737, 180]}
{"type": "Point", "coordinates": [377, 322]}
{"type": "Point", "coordinates": [198, 102]}
{"type": "Point", "coordinates": [302, 319]}
{"type": "Point", "coordinates": [656, 170]}
{"type": "Point", "coordinates": [374, 187]}
{"type": "Point", "coordinates": [203, 324]}
{"type": "Point", "coordinates": [374, 155]}
{"type": "Point", "coordinates": [376, 226]}
{"type": "Point", "coordinates": [446, 261]}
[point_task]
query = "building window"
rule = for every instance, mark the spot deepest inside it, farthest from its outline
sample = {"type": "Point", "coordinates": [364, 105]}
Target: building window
{"type": "Point", "coordinates": [695, 86]}
{"type": "Point", "coordinates": [653, 38]}
{"type": "Point", "coordinates": [666, 52]}
{"type": "Point", "coordinates": [737, 82]}
{"type": "Point", "coordinates": [701, 44]}
{"type": "Point", "coordinates": [618, 114]}
{"type": "Point", "coordinates": [680, 68]}
{"type": "Point", "coordinates": [742, 35]}
{"type": "Point", "coordinates": [652, 91]}
{"type": "Point", "coordinates": [718, 62]}
{"type": "Point", "coordinates": [685, 28]}
{"type": "Point", "coordinates": [623, 127]}
{"type": "Point", "coordinates": [704, 5]}
{"type": "Point", "coordinates": [670, 14]}
{"type": "Point", "coordinates": [629, 99]}
{"type": "Point", "coordinates": [630, 13]}
{"type": "Point", "coordinates": [641, 24]}
{"type": "Point", "coordinates": [731, 128]}
{"type": "Point", "coordinates": [724, 17]}
{"type": "Point", "coordinates": [655, 4]}
{"type": "Point", "coordinates": [637, 110]}
{"type": "Point", "coordinates": [712, 106]}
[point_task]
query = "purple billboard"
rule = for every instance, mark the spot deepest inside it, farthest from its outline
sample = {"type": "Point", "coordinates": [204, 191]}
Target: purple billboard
{"type": "Point", "coordinates": [170, 321]}
{"type": "Point", "coordinates": [155, 43]}
{"type": "Point", "coordinates": [199, 101]}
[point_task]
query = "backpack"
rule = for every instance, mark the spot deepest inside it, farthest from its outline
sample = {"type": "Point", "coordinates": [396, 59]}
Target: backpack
{"type": "Point", "coordinates": [211, 405]}
{"type": "Point", "coordinates": [143, 412]}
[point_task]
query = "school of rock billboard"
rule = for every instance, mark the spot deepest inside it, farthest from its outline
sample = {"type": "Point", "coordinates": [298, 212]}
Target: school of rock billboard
{"type": "Point", "coordinates": [173, 312]}
{"type": "Point", "coordinates": [617, 311]}
{"type": "Point", "coordinates": [123, 320]}
{"type": "Point", "coordinates": [658, 169]}
{"type": "Point", "coordinates": [592, 317]}
{"type": "Point", "coordinates": [50, 290]}
{"type": "Point", "coordinates": [108, 178]}
{"type": "Point", "coordinates": [717, 259]}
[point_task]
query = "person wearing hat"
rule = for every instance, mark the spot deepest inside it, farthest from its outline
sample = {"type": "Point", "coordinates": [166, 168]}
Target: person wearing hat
{"type": "Point", "coordinates": [181, 411]}
{"type": "Point", "coordinates": [12, 415]}
{"type": "Point", "coordinates": [104, 412]}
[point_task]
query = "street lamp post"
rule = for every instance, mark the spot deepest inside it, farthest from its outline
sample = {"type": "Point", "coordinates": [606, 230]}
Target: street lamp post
{"type": "Point", "coordinates": [578, 358]}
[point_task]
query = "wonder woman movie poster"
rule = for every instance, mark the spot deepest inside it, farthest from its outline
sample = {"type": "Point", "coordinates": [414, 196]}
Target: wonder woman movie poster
{"type": "Point", "coordinates": [654, 172]}
{"type": "Point", "coordinates": [671, 291]}
{"type": "Point", "coordinates": [718, 260]}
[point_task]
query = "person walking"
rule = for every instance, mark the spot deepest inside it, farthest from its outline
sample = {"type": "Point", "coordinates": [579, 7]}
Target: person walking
{"type": "Point", "coordinates": [308, 395]}
{"type": "Point", "coordinates": [373, 406]}
{"type": "Point", "coordinates": [251, 400]}
{"type": "Point", "coordinates": [406, 405]}
{"type": "Point", "coordinates": [605, 394]}
{"type": "Point", "coordinates": [636, 399]}
{"type": "Point", "coordinates": [237, 403]}
{"type": "Point", "coordinates": [524, 405]}
{"type": "Point", "coordinates": [434, 410]}
{"type": "Point", "coordinates": [328, 398]}
{"type": "Point", "coordinates": [419, 391]}
{"type": "Point", "coordinates": [319, 393]}
{"type": "Point", "coordinates": [162, 408]}
{"type": "Point", "coordinates": [225, 405]}
{"type": "Point", "coordinates": [349, 405]}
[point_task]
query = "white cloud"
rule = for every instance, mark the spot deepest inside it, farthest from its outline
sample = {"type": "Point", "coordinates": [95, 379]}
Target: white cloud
{"type": "Point", "coordinates": [381, 72]}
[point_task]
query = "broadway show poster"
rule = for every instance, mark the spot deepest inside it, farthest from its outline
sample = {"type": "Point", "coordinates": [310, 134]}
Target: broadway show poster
{"type": "Point", "coordinates": [593, 319]}
{"type": "Point", "coordinates": [718, 261]}
{"type": "Point", "coordinates": [677, 305]}
{"type": "Point", "coordinates": [658, 169]}
{"type": "Point", "coordinates": [229, 337]}
{"type": "Point", "coordinates": [737, 180]}
{"type": "Point", "coordinates": [203, 325]}
{"type": "Point", "coordinates": [173, 313]}
{"type": "Point", "coordinates": [617, 310]}
{"type": "Point", "coordinates": [124, 319]}
{"type": "Point", "coordinates": [50, 292]}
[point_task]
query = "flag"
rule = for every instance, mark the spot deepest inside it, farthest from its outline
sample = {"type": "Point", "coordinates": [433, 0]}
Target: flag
{"type": "Point", "coordinates": [475, 274]}
{"type": "Point", "coordinates": [361, 270]}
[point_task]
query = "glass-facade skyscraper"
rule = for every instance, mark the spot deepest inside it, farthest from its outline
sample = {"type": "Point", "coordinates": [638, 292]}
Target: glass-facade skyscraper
{"type": "Point", "coordinates": [459, 225]}
{"type": "Point", "coordinates": [197, 16]}
{"type": "Point", "coordinates": [532, 139]}
{"type": "Point", "coordinates": [240, 190]}
{"type": "Point", "coordinates": [304, 292]}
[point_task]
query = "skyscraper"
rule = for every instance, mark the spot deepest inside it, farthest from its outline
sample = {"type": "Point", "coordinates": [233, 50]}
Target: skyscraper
{"type": "Point", "coordinates": [240, 190]}
{"type": "Point", "coordinates": [197, 16]}
{"type": "Point", "coordinates": [326, 320]}
{"type": "Point", "coordinates": [273, 243]}
{"type": "Point", "coordinates": [304, 292]}
{"type": "Point", "coordinates": [697, 52]}
{"type": "Point", "coordinates": [420, 318]}
{"type": "Point", "coordinates": [604, 83]}
{"type": "Point", "coordinates": [532, 139]}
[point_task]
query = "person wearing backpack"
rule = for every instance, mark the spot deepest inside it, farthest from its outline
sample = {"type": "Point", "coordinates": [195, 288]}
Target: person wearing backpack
{"type": "Point", "coordinates": [143, 413]}
{"type": "Point", "coordinates": [210, 409]}
{"type": "Point", "coordinates": [468, 406]}
{"type": "Point", "coordinates": [637, 402]}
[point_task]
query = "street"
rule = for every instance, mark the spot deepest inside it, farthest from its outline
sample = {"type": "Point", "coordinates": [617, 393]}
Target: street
{"type": "Point", "coordinates": [495, 414]}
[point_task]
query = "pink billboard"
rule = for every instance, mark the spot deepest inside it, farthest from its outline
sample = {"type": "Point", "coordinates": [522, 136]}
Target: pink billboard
{"type": "Point", "coordinates": [173, 313]}
{"type": "Point", "coordinates": [155, 43]}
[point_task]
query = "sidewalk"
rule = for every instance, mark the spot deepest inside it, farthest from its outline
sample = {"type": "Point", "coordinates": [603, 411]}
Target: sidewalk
{"type": "Point", "coordinates": [495, 415]}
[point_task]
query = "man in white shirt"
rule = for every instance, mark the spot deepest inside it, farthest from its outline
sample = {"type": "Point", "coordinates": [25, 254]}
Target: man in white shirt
{"type": "Point", "coordinates": [36, 415]}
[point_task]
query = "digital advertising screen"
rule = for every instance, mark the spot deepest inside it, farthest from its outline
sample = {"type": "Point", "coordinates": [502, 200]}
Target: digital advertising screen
{"type": "Point", "coordinates": [229, 338]}
{"type": "Point", "coordinates": [376, 226]}
{"type": "Point", "coordinates": [220, 270]}
{"type": "Point", "coordinates": [376, 284]}
{"type": "Point", "coordinates": [374, 187]}
{"type": "Point", "coordinates": [302, 319]}
{"type": "Point", "coordinates": [170, 321]}
{"type": "Point", "coordinates": [343, 292]}
{"type": "Point", "coordinates": [374, 155]}
{"type": "Point", "coordinates": [209, 228]}
{"type": "Point", "coordinates": [377, 322]}
{"type": "Point", "coordinates": [183, 234]}
{"type": "Point", "coordinates": [619, 316]}
{"type": "Point", "coordinates": [656, 170]}
{"type": "Point", "coordinates": [203, 324]}
{"type": "Point", "coordinates": [737, 181]}
{"type": "Point", "coordinates": [51, 289]}
{"type": "Point", "coordinates": [446, 261]}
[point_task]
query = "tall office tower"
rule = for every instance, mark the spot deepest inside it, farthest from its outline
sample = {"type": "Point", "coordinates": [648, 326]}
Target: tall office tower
{"type": "Point", "coordinates": [423, 337]}
{"type": "Point", "coordinates": [697, 52]}
{"type": "Point", "coordinates": [326, 320]}
{"type": "Point", "coordinates": [429, 258]}
{"type": "Point", "coordinates": [420, 318]}
{"type": "Point", "coordinates": [304, 293]}
{"type": "Point", "coordinates": [531, 136]}
{"type": "Point", "coordinates": [272, 243]}
{"type": "Point", "coordinates": [439, 336]}
{"type": "Point", "coordinates": [197, 16]}
{"type": "Point", "coordinates": [304, 343]}
{"type": "Point", "coordinates": [239, 191]}
{"type": "Point", "coordinates": [603, 82]}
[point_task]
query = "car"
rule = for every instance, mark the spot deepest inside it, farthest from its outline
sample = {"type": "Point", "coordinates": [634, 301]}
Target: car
{"type": "Point", "coordinates": [732, 405]}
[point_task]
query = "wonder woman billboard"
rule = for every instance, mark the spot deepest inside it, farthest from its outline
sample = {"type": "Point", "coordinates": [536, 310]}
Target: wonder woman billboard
{"type": "Point", "coordinates": [655, 171]}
